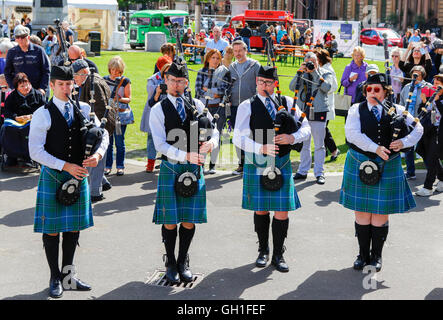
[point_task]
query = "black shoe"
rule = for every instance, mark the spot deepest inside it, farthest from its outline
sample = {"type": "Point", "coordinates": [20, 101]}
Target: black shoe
{"type": "Point", "coordinates": [262, 259]}
{"type": "Point", "coordinates": [279, 262]}
{"type": "Point", "coordinates": [184, 272]}
{"type": "Point", "coordinates": [107, 186]}
{"type": "Point", "coordinates": [321, 180]}
{"type": "Point", "coordinates": [299, 176]}
{"type": "Point", "coordinates": [55, 288]}
{"type": "Point", "coordinates": [172, 274]}
{"type": "Point", "coordinates": [360, 263]}
{"type": "Point", "coordinates": [238, 171]}
{"type": "Point", "coordinates": [77, 285]}
{"type": "Point", "coordinates": [376, 262]}
{"type": "Point", "coordinates": [97, 198]}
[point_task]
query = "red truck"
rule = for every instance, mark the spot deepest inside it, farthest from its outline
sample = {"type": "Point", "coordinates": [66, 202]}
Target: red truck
{"type": "Point", "coordinates": [255, 19]}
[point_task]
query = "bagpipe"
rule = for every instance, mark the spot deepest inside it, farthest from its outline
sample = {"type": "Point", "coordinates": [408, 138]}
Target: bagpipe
{"type": "Point", "coordinates": [63, 43]}
{"type": "Point", "coordinates": [387, 67]}
{"type": "Point", "coordinates": [113, 104]}
{"type": "Point", "coordinates": [69, 192]}
{"type": "Point", "coordinates": [428, 113]}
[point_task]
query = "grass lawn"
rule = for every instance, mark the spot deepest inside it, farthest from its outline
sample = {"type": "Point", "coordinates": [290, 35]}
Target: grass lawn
{"type": "Point", "coordinates": [140, 66]}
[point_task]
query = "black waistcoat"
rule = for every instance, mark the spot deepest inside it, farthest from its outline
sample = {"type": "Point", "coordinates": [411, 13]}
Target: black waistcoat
{"type": "Point", "coordinates": [180, 137]}
{"type": "Point", "coordinates": [62, 142]}
{"type": "Point", "coordinates": [261, 123]}
{"type": "Point", "coordinates": [378, 132]}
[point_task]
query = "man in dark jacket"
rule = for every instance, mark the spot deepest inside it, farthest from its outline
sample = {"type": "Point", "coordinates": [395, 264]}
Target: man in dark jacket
{"type": "Point", "coordinates": [245, 34]}
{"type": "Point", "coordinates": [102, 94]}
{"type": "Point", "coordinates": [28, 58]}
{"type": "Point", "coordinates": [74, 53]}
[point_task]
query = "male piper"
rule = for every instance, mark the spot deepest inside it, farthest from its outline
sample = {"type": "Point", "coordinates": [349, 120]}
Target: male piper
{"type": "Point", "coordinates": [254, 128]}
{"type": "Point", "coordinates": [55, 141]}
{"type": "Point", "coordinates": [171, 125]}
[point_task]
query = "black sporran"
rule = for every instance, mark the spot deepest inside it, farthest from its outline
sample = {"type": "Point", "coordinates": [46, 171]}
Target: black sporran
{"type": "Point", "coordinates": [186, 184]}
{"type": "Point", "coordinates": [69, 192]}
{"type": "Point", "coordinates": [271, 179]}
{"type": "Point", "coordinates": [370, 172]}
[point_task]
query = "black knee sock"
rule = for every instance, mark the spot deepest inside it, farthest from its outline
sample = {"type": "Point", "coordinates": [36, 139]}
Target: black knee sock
{"type": "Point", "coordinates": [379, 235]}
{"type": "Point", "coordinates": [51, 244]}
{"type": "Point", "coordinates": [169, 239]}
{"type": "Point", "coordinates": [261, 223]}
{"type": "Point", "coordinates": [70, 241]}
{"type": "Point", "coordinates": [279, 233]}
{"type": "Point", "coordinates": [185, 239]}
{"type": "Point", "coordinates": [363, 233]}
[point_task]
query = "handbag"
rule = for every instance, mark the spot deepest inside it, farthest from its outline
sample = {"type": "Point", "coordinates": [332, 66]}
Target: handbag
{"type": "Point", "coordinates": [342, 103]}
{"type": "Point", "coordinates": [126, 116]}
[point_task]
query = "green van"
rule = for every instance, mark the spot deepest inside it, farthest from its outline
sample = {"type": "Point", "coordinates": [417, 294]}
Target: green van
{"type": "Point", "coordinates": [146, 21]}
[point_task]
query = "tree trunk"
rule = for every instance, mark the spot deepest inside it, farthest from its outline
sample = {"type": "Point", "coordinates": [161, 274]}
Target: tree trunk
{"type": "Point", "coordinates": [197, 17]}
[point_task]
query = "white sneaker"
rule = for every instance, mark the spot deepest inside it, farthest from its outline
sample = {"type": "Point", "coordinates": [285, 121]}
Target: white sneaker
{"type": "Point", "coordinates": [439, 186]}
{"type": "Point", "coordinates": [423, 192]}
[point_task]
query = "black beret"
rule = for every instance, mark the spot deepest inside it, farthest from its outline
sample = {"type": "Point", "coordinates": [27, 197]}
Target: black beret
{"type": "Point", "coordinates": [267, 72]}
{"type": "Point", "coordinates": [176, 70]}
{"type": "Point", "coordinates": [79, 65]}
{"type": "Point", "coordinates": [378, 78]}
{"type": "Point", "coordinates": [61, 73]}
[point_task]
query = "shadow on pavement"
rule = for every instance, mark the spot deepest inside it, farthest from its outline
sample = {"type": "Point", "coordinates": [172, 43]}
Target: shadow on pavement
{"type": "Point", "coordinates": [346, 284]}
{"type": "Point", "coordinates": [21, 181]}
{"type": "Point", "coordinates": [42, 295]}
{"type": "Point", "coordinates": [436, 294]}
{"type": "Point", "coordinates": [19, 218]}
{"type": "Point", "coordinates": [214, 182]}
{"type": "Point", "coordinates": [221, 284]}
{"type": "Point", "coordinates": [124, 204]}
{"type": "Point", "coordinates": [327, 197]}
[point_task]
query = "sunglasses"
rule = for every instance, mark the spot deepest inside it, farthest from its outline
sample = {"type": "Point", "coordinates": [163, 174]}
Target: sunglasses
{"type": "Point", "coordinates": [22, 37]}
{"type": "Point", "coordinates": [395, 56]}
{"type": "Point", "coordinates": [376, 89]}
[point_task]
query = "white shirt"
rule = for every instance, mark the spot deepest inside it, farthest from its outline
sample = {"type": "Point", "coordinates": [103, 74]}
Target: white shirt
{"type": "Point", "coordinates": [354, 135]}
{"type": "Point", "coordinates": [157, 125]}
{"type": "Point", "coordinates": [220, 45]}
{"type": "Point", "coordinates": [242, 132]}
{"type": "Point", "coordinates": [41, 123]}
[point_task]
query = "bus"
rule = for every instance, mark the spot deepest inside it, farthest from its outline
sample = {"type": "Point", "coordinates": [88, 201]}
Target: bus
{"type": "Point", "coordinates": [255, 18]}
{"type": "Point", "coordinates": [145, 21]}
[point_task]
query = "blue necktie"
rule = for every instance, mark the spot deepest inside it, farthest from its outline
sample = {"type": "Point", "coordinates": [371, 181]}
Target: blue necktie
{"type": "Point", "coordinates": [67, 115]}
{"type": "Point", "coordinates": [181, 109]}
{"type": "Point", "coordinates": [270, 108]}
{"type": "Point", "coordinates": [376, 113]}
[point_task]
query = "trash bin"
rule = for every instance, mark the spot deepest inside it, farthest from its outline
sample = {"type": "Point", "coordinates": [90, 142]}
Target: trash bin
{"type": "Point", "coordinates": [95, 42]}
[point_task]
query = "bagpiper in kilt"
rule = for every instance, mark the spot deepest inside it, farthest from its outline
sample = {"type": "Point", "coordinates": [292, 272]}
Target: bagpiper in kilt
{"type": "Point", "coordinates": [370, 137]}
{"type": "Point", "coordinates": [254, 134]}
{"type": "Point", "coordinates": [182, 153]}
{"type": "Point", "coordinates": [55, 141]}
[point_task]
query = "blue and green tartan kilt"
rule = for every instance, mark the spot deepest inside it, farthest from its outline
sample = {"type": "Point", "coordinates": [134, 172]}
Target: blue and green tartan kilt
{"type": "Point", "coordinates": [172, 209]}
{"type": "Point", "coordinates": [53, 217]}
{"type": "Point", "coordinates": [257, 198]}
{"type": "Point", "coordinates": [390, 195]}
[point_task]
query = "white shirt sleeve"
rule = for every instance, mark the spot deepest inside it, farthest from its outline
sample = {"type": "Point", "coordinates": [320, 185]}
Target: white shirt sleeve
{"type": "Point", "coordinates": [353, 131]}
{"type": "Point", "coordinates": [242, 131]}
{"type": "Point", "coordinates": [40, 124]}
{"type": "Point", "coordinates": [412, 138]}
{"type": "Point", "coordinates": [157, 125]}
{"type": "Point", "coordinates": [305, 130]}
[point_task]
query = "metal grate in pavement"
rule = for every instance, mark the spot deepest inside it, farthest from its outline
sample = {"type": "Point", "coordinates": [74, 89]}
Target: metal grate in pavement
{"type": "Point", "coordinates": [159, 279]}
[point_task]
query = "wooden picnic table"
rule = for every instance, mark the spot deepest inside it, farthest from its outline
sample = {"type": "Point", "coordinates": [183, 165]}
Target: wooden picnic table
{"type": "Point", "coordinates": [188, 54]}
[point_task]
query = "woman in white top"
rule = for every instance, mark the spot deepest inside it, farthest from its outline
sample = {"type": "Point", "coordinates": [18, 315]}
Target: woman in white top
{"type": "Point", "coordinates": [325, 62]}
{"type": "Point", "coordinates": [396, 74]}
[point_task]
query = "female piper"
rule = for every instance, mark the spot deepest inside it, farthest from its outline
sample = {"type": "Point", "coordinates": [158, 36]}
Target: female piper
{"type": "Point", "coordinates": [369, 135]}
{"type": "Point", "coordinates": [253, 129]}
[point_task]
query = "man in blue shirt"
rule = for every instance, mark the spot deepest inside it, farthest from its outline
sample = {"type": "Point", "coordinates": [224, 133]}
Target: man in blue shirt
{"type": "Point", "coordinates": [28, 58]}
{"type": "Point", "coordinates": [217, 43]}
{"type": "Point", "coordinates": [415, 37]}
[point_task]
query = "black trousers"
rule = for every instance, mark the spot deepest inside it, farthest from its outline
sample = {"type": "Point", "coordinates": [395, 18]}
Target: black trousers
{"type": "Point", "coordinates": [329, 141]}
{"type": "Point", "coordinates": [432, 160]}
